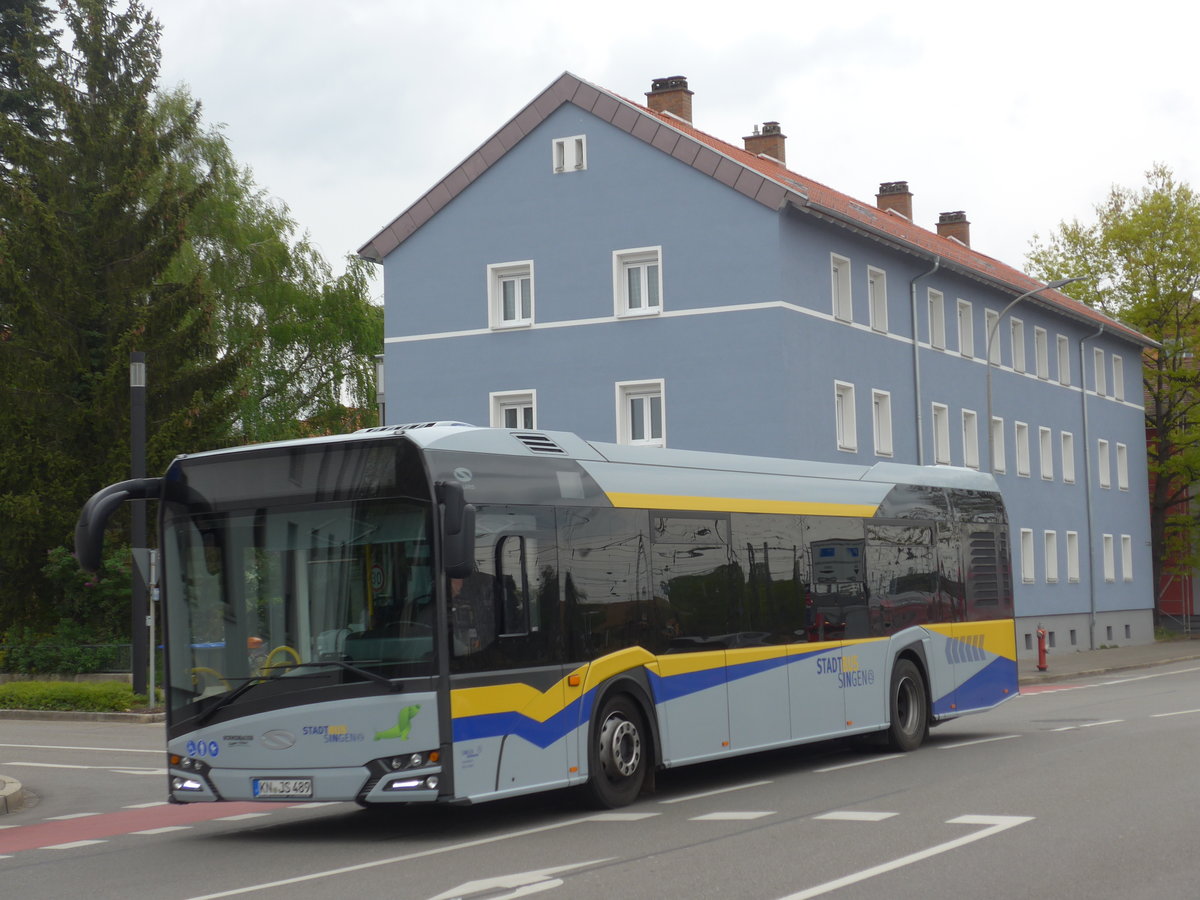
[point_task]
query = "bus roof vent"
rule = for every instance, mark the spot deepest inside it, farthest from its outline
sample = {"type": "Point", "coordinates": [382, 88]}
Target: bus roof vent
{"type": "Point", "coordinates": [538, 443]}
{"type": "Point", "coordinates": [412, 426]}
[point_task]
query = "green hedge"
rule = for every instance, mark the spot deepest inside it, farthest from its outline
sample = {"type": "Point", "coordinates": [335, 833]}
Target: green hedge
{"type": "Point", "coordinates": [103, 696]}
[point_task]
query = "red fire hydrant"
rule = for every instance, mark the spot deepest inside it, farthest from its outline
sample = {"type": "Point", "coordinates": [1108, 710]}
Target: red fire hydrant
{"type": "Point", "coordinates": [1041, 638]}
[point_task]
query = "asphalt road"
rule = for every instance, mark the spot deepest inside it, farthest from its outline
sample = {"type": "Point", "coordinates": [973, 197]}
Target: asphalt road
{"type": "Point", "coordinates": [1079, 790]}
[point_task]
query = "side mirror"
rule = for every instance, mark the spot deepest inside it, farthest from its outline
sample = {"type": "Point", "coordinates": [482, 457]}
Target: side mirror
{"type": "Point", "coordinates": [93, 518]}
{"type": "Point", "coordinates": [458, 529]}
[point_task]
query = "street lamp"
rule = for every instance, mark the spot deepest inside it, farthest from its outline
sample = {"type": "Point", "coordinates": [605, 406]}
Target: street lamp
{"type": "Point", "coordinates": [991, 336]}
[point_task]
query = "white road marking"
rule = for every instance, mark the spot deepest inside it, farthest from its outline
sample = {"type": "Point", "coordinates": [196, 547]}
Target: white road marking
{"type": "Point", "coordinates": [71, 846]}
{"type": "Point", "coordinates": [1089, 725]}
{"type": "Point", "coordinates": [861, 762]}
{"type": "Point", "coordinates": [995, 825]}
{"type": "Point", "coordinates": [164, 829]}
{"type": "Point", "coordinates": [1003, 737]}
{"type": "Point", "coordinates": [1182, 712]}
{"type": "Point", "coordinates": [145, 805]}
{"type": "Point", "coordinates": [82, 815]}
{"type": "Point", "coordinates": [623, 817]}
{"type": "Point", "coordinates": [705, 794]}
{"type": "Point", "coordinates": [853, 815]}
{"type": "Point", "coordinates": [239, 818]}
{"type": "Point", "coordinates": [1152, 675]}
{"type": "Point", "coordinates": [525, 883]}
{"type": "Point", "coordinates": [89, 749]}
{"type": "Point", "coordinates": [731, 816]}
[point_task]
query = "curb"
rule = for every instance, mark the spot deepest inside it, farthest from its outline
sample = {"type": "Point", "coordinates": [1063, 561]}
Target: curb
{"type": "Point", "coordinates": [70, 716]}
{"type": "Point", "coordinates": [12, 795]}
{"type": "Point", "coordinates": [1053, 677]}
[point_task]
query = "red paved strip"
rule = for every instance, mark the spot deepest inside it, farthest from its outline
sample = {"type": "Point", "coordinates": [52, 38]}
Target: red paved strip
{"type": "Point", "coordinates": [46, 834]}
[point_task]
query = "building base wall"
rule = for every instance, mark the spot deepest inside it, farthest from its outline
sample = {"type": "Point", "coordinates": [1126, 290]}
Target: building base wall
{"type": "Point", "coordinates": [1070, 633]}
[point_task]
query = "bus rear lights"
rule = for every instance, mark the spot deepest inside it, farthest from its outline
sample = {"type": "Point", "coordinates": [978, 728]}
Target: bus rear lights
{"type": "Point", "coordinates": [186, 784]}
{"type": "Point", "coordinates": [428, 783]}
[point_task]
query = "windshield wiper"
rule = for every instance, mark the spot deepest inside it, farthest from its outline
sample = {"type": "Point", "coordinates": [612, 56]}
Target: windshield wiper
{"type": "Point", "coordinates": [227, 699]}
{"type": "Point", "coordinates": [340, 664]}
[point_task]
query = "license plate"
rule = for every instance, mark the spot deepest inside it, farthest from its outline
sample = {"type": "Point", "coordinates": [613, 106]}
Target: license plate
{"type": "Point", "coordinates": [282, 788]}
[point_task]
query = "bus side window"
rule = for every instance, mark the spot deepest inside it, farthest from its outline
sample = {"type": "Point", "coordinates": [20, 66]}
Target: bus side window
{"type": "Point", "coordinates": [512, 587]}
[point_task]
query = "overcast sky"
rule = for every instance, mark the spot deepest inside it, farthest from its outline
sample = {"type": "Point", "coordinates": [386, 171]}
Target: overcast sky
{"type": "Point", "coordinates": [1023, 114]}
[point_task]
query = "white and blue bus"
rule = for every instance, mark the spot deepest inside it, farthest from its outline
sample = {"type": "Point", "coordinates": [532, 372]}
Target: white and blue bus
{"type": "Point", "coordinates": [445, 613]}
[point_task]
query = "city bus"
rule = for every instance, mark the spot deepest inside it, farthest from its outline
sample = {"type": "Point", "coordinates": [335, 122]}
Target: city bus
{"type": "Point", "coordinates": [446, 613]}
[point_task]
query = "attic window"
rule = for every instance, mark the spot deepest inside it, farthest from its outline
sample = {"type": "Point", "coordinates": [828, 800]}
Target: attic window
{"type": "Point", "coordinates": [569, 154]}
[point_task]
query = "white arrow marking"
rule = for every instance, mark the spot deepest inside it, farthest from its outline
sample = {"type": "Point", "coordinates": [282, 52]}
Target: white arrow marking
{"type": "Point", "coordinates": [520, 883]}
{"type": "Point", "coordinates": [995, 824]}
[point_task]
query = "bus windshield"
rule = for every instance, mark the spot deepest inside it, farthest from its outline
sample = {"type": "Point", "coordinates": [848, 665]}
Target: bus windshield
{"type": "Point", "coordinates": [296, 596]}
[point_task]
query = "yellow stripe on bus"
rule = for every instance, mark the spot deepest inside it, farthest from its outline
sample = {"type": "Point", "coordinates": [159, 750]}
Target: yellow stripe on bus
{"type": "Point", "coordinates": [740, 505]}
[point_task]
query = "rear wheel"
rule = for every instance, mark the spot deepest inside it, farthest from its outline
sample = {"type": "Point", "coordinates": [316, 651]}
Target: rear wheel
{"type": "Point", "coordinates": [908, 707]}
{"type": "Point", "coordinates": [617, 751]}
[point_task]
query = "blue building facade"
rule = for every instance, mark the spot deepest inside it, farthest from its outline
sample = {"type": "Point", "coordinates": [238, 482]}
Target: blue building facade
{"type": "Point", "coordinates": [602, 267]}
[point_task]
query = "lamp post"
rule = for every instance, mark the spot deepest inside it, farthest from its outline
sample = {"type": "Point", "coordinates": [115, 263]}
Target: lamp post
{"type": "Point", "coordinates": [137, 448]}
{"type": "Point", "coordinates": [991, 336]}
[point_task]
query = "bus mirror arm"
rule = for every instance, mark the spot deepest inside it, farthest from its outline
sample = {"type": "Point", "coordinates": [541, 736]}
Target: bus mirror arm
{"type": "Point", "coordinates": [93, 518]}
{"type": "Point", "coordinates": [458, 530]}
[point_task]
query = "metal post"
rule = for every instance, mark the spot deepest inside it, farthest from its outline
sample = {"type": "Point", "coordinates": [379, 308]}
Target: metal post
{"type": "Point", "coordinates": [137, 454]}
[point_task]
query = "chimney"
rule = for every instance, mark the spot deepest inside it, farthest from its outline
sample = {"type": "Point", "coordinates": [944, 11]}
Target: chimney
{"type": "Point", "coordinates": [768, 142]}
{"type": "Point", "coordinates": [895, 195]}
{"type": "Point", "coordinates": [955, 225]}
{"type": "Point", "coordinates": [671, 95]}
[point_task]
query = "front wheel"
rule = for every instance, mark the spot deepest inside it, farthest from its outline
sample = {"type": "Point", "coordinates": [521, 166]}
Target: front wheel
{"type": "Point", "coordinates": [617, 751]}
{"type": "Point", "coordinates": [908, 707]}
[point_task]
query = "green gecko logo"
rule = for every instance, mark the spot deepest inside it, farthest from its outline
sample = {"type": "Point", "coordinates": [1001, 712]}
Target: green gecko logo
{"type": "Point", "coordinates": [403, 724]}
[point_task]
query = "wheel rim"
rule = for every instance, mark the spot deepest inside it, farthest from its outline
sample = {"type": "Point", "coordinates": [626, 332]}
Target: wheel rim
{"type": "Point", "coordinates": [620, 747]}
{"type": "Point", "coordinates": [906, 705]}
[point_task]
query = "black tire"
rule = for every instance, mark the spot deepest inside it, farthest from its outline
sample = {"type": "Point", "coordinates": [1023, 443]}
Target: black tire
{"type": "Point", "coordinates": [617, 753]}
{"type": "Point", "coordinates": [908, 707]}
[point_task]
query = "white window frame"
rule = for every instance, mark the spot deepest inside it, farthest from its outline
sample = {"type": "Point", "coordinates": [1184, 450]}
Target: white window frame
{"type": "Point", "coordinates": [568, 154]}
{"type": "Point", "coordinates": [1122, 467]}
{"type": "Point", "coordinates": [1041, 352]}
{"type": "Point", "coordinates": [965, 319]}
{"type": "Point", "coordinates": [1103, 465]}
{"type": "Point", "coordinates": [1126, 557]}
{"type": "Point", "coordinates": [970, 438]}
{"type": "Point", "coordinates": [1064, 359]}
{"type": "Point", "coordinates": [937, 319]}
{"type": "Point", "coordinates": [845, 420]}
{"type": "Point", "coordinates": [991, 330]}
{"type": "Point", "coordinates": [1098, 374]}
{"type": "Point", "coordinates": [1067, 444]}
{"type": "Point", "coordinates": [641, 259]}
{"type": "Point", "coordinates": [941, 434]}
{"type": "Point", "coordinates": [500, 274]}
{"type": "Point", "coordinates": [999, 463]}
{"type": "Point", "coordinates": [1110, 569]}
{"type": "Point", "coordinates": [1046, 452]}
{"type": "Point", "coordinates": [1050, 553]}
{"type": "Point", "coordinates": [1118, 374]}
{"type": "Point", "coordinates": [881, 415]}
{"type": "Point", "coordinates": [877, 297]}
{"type": "Point", "coordinates": [627, 392]}
{"type": "Point", "coordinates": [840, 287]}
{"type": "Point", "coordinates": [1016, 330]}
{"type": "Point", "coordinates": [1028, 563]}
{"type": "Point", "coordinates": [1021, 439]}
{"type": "Point", "coordinates": [522, 403]}
{"type": "Point", "coordinates": [1073, 557]}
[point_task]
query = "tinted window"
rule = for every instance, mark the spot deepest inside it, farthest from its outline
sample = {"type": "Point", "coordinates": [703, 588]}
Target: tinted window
{"type": "Point", "coordinates": [774, 594]}
{"type": "Point", "coordinates": [902, 578]}
{"type": "Point", "coordinates": [836, 549]}
{"type": "Point", "coordinates": [697, 582]}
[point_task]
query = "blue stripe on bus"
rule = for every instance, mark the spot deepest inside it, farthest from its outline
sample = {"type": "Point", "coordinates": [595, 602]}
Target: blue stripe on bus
{"type": "Point", "coordinates": [991, 685]}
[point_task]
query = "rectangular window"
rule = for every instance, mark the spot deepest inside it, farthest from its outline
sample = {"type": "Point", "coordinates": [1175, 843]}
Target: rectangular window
{"type": "Point", "coordinates": [1098, 365]}
{"type": "Point", "coordinates": [966, 329]}
{"type": "Point", "coordinates": [839, 274]}
{"type": "Point", "coordinates": [881, 414]}
{"type": "Point", "coordinates": [1022, 448]}
{"type": "Point", "coordinates": [1122, 467]}
{"type": "Point", "coordinates": [510, 294]}
{"type": "Point", "coordinates": [1050, 551]}
{"type": "Point", "coordinates": [991, 321]}
{"type": "Point", "coordinates": [1110, 569]}
{"type": "Point", "coordinates": [1017, 330]}
{"type": "Point", "coordinates": [640, 413]}
{"type": "Point", "coordinates": [1068, 456]}
{"type": "Point", "coordinates": [1028, 569]}
{"type": "Point", "coordinates": [846, 424]}
{"type": "Point", "coordinates": [1041, 353]}
{"type": "Point", "coordinates": [1126, 558]}
{"type": "Point", "coordinates": [1064, 359]}
{"type": "Point", "coordinates": [1102, 463]}
{"type": "Point", "coordinates": [937, 320]}
{"type": "Point", "coordinates": [569, 154]}
{"type": "Point", "coordinates": [970, 437]}
{"type": "Point", "coordinates": [998, 460]}
{"type": "Point", "coordinates": [513, 409]}
{"type": "Point", "coordinates": [1073, 557]}
{"type": "Point", "coordinates": [637, 281]}
{"type": "Point", "coordinates": [877, 293]}
{"type": "Point", "coordinates": [1118, 378]}
{"type": "Point", "coordinates": [1046, 453]}
{"type": "Point", "coordinates": [941, 434]}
